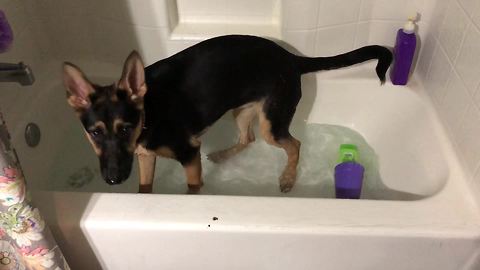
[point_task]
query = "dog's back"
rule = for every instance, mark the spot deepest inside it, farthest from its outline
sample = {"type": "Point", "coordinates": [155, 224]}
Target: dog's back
{"type": "Point", "coordinates": [199, 84]}
{"type": "Point", "coordinates": [202, 82]}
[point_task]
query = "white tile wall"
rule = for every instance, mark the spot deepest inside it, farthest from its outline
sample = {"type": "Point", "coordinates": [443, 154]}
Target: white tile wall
{"type": "Point", "coordinates": [393, 10]}
{"type": "Point", "coordinates": [455, 34]}
{"type": "Point", "coordinates": [453, 104]}
{"type": "Point", "coordinates": [467, 64]}
{"type": "Point", "coordinates": [476, 178]}
{"type": "Point", "coordinates": [453, 28]}
{"type": "Point", "coordinates": [477, 97]}
{"type": "Point", "coordinates": [300, 15]}
{"type": "Point", "coordinates": [335, 40]}
{"type": "Point", "coordinates": [342, 25]}
{"type": "Point", "coordinates": [201, 10]}
{"type": "Point", "coordinates": [363, 34]}
{"type": "Point", "coordinates": [439, 10]}
{"type": "Point", "coordinates": [303, 40]}
{"type": "Point", "coordinates": [384, 32]}
{"type": "Point", "coordinates": [472, 7]}
{"type": "Point", "coordinates": [334, 12]}
{"type": "Point", "coordinates": [105, 30]}
{"type": "Point", "coordinates": [427, 50]}
{"type": "Point", "coordinates": [208, 11]}
{"type": "Point", "coordinates": [438, 74]}
{"type": "Point", "coordinates": [468, 137]}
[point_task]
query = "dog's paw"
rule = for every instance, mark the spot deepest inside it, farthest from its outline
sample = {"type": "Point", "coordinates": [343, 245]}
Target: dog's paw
{"type": "Point", "coordinates": [217, 157]}
{"type": "Point", "coordinates": [285, 188]}
{"type": "Point", "coordinates": [194, 189]}
{"type": "Point", "coordinates": [145, 189]}
{"type": "Point", "coordinates": [287, 180]}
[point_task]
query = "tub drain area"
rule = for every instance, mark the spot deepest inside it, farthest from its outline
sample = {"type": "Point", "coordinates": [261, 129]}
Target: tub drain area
{"type": "Point", "coordinates": [32, 134]}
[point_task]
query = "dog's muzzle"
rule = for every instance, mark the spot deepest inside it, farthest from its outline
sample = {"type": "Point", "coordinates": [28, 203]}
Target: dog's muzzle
{"type": "Point", "coordinates": [116, 170]}
{"type": "Point", "coordinates": [113, 176]}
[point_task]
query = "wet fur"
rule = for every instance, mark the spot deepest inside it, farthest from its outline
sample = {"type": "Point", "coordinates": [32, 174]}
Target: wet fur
{"type": "Point", "coordinates": [192, 89]}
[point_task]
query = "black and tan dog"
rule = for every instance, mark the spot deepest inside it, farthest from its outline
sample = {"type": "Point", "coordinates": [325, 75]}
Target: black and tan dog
{"type": "Point", "coordinates": [161, 110]}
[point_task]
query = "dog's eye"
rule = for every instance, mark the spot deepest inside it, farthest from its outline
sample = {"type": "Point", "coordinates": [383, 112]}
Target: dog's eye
{"type": "Point", "coordinates": [125, 131]}
{"type": "Point", "coordinates": [96, 132]}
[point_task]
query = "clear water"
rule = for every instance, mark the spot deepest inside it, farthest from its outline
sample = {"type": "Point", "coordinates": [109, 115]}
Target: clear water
{"type": "Point", "coordinates": [253, 172]}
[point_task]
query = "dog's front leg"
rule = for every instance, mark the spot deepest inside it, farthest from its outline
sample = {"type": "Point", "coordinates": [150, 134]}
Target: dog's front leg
{"type": "Point", "coordinates": [146, 164]}
{"type": "Point", "coordinates": [193, 171]}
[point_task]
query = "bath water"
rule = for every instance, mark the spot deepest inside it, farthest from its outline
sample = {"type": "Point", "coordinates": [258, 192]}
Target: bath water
{"type": "Point", "coordinates": [253, 172]}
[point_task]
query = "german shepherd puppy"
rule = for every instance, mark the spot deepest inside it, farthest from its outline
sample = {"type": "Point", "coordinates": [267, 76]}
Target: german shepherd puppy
{"type": "Point", "coordinates": [162, 109]}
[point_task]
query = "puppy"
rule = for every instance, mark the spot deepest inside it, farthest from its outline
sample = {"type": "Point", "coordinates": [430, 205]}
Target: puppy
{"type": "Point", "coordinates": [162, 109]}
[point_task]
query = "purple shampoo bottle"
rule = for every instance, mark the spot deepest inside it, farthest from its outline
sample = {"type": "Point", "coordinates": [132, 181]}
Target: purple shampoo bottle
{"type": "Point", "coordinates": [6, 33]}
{"type": "Point", "coordinates": [404, 51]}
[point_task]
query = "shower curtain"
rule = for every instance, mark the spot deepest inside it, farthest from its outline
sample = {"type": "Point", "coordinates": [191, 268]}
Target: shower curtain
{"type": "Point", "coordinates": [25, 240]}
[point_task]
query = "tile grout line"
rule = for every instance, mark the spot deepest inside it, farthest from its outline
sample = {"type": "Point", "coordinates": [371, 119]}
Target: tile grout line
{"type": "Point", "coordinates": [468, 14]}
{"type": "Point", "coordinates": [463, 117]}
{"type": "Point", "coordinates": [476, 171]}
{"type": "Point", "coordinates": [427, 73]}
{"type": "Point", "coordinates": [462, 41]}
{"type": "Point", "coordinates": [316, 28]}
{"type": "Point", "coordinates": [358, 24]}
{"type": "Point", "coordinates": [453, 72]}
{"type": "Point", "coordinates": [439, 103]}
{"type": "Point", "coordinates": [456, 145]}
{"type": "Point", "coordinates": [477, 92]}
{"type": "Point", "coordinates": [452, 64]}
{"type": "Point", "coordinates": [442, 50]}
{"type": "Point", "coordinates": [342, 24]}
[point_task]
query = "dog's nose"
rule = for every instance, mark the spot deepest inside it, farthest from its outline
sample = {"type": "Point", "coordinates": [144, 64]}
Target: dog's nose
{"type": "Point", "coordinates": [112, 181]}
{"type": "Point", "coordinates": [111, 176]}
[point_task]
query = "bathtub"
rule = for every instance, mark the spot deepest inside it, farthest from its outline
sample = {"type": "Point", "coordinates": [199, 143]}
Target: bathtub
{"type": "Point", "coordinates": [425, 217]}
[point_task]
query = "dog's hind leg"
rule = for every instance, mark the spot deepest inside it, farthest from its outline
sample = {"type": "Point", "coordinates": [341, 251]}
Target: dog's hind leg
{"type": "Point", "coordinates": [274, 119]}
{"type": "Point", "coordinates": [193, 172]}
{"type": "Point", "coordinates": [243, 118]}
{"type": "Point", "coordinates": [291, 147]}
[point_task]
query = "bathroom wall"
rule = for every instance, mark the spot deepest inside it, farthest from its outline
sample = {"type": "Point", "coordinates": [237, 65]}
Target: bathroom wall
{"type": "Point", "coordinates": [229, 11]}
{"type": "Point", "coordinates": [450, 70]}
{"type": "Point", "coordinates": [31, 46]}
{"type": "Point", "coordinates": [107, 30]}
{"type": "Point", "coordinates": [325, 27]}
{"type": "Point", "coordinates": [104, 31]}
{"type": "Point", "coordinates": [29, 43]}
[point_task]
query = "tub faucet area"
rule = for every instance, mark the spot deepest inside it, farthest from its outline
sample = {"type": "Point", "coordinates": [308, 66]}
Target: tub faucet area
{"type": "Point", "coordinates": [20, 73]}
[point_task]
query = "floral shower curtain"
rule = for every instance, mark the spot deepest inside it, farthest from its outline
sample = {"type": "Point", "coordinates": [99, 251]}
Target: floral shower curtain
{"type": "Point", "coordinates": [25, 241]}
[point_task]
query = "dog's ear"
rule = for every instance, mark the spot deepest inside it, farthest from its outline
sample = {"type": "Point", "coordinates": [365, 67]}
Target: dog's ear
{"type": "Point", "coordinates": [78, 86]}
{"type": "Point", "coordinates": [133, 76]}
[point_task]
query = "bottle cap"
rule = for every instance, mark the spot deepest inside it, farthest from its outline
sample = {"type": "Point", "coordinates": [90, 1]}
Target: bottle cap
{"type": "Point", "coordinates": [348, 153]}
{"type": "Point", "coordinates": [409, 27]}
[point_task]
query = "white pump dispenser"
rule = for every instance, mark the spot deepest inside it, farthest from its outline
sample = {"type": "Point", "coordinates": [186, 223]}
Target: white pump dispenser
{"type": "Point", "coordinates": [409, 27]}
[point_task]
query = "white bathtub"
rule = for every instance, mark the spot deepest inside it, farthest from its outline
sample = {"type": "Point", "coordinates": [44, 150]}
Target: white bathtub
{"type": "Point", "coordinates": [429, 221]}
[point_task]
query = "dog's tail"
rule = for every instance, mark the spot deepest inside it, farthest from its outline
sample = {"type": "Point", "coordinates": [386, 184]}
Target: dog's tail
{"type": "Point", "coordinates": [384, 56]}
